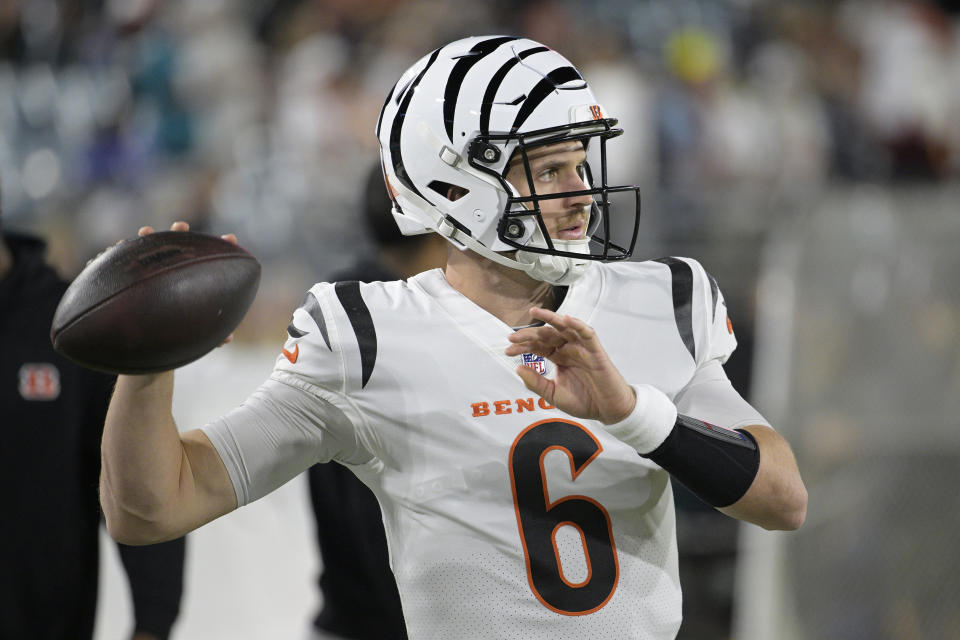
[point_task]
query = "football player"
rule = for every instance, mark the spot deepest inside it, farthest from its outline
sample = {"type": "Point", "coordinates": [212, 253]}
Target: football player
{"type": "Point", "coordinates": [521, 413]}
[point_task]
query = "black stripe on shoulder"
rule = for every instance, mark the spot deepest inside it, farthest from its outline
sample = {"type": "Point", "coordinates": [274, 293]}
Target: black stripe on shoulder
{"type": "Point", "coordinates": [682, 279]}
{"type": "Point", "coordinates": [293, 332]}
{"type": "Point", "coordinates": [714, 294]}
{"type": "Point", "coordinates": [491, 92]}
{"type": "Point", "coordinates": [362, 323]}
{"type": "Point", "coordinates": [397, 127]}
{"type": "Point", "coordinates": [544, 88]}
{"type": "Point", "coordinates": [312, 307]}
{"type": "Point", "coordinates": [455, 81]}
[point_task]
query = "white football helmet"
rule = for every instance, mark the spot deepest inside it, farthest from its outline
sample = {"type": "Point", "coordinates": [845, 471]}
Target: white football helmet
{"type": "Point", "coordinates": [458, 116]}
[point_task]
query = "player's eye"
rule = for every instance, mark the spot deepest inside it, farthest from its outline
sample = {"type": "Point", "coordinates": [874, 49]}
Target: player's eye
{"type": "Point", "coordinates": [547, 175]}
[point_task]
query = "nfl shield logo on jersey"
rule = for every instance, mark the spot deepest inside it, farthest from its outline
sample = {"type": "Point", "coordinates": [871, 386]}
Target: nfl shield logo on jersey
{"type": "Point", "coordinates": [535, 362]}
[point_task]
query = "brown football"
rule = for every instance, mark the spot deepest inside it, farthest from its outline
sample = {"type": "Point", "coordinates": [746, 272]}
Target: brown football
{"type": "Point", "coordinates": [155, 302]}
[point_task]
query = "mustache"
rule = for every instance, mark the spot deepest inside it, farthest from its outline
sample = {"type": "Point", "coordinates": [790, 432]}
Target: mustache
{"type": "Point", "coordinates": [577, 216]}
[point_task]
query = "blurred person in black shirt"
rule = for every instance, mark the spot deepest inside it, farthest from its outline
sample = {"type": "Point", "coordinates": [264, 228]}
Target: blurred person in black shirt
{"type": "Point", "coordinates": [360, 599]}
{"type": "Point", "coordinates": [52, 417]}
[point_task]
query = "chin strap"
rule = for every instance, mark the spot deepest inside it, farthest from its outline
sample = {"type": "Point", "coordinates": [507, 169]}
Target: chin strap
{"type": "Point", "coordinates": [556, 270]}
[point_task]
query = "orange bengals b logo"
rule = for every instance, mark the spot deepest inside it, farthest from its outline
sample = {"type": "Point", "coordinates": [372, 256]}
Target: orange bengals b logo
{"type": "Point", "coordinates": [595, 112]}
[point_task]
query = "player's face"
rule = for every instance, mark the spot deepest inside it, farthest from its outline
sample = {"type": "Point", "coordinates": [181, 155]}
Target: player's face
{"type": "Point", "coordinates": [556, 168]}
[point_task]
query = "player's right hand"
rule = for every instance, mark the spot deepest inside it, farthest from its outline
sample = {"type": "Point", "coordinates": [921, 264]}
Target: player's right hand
{"type": "Point", "coordinates": [587, 384]}
{"type": "Point", "coordinates": [180, 225]}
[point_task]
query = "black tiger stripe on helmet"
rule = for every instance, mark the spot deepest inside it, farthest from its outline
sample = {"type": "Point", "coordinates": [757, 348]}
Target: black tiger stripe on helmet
{"type": "Point", "coordinates": [396, 128]}
{"type": "Point", "coordinates": [490, 94]}
{"type": "Point", "coordinates": [455, 81]}
{"type": "Point", "coordinates": [550, 83]}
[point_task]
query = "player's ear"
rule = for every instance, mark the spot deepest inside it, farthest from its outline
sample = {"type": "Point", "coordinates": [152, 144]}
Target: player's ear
{"type": "Point", "coordinates": [454, 193]}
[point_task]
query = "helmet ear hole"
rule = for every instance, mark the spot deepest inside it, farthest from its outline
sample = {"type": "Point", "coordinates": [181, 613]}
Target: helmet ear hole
{"type": "Point", "coordinates": [449, 191]}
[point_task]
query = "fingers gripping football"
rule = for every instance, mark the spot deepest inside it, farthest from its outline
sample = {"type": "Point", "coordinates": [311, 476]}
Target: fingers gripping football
{"type": "Point", "coordinates": [586, 384]}
{"type": "Point", "coordinates": [180, 225]}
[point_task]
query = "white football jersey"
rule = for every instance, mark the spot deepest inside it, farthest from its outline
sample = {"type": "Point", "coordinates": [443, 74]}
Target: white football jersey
{"type": "Point", "coordinates": [505, 517]}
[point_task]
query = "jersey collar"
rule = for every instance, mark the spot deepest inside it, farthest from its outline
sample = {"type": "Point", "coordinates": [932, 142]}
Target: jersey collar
{"type": "Point", "coordinates": [488, 330]}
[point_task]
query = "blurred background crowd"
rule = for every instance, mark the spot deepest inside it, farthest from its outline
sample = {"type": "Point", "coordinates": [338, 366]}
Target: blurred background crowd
{"type": "Point", "coordinates": [808, 153]}
{"type": "Point", "coordinates": [257, 117]}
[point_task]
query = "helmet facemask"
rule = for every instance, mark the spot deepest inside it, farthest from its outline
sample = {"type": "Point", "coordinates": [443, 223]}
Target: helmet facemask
{"type": "Point", "coordinates": [522, 225]}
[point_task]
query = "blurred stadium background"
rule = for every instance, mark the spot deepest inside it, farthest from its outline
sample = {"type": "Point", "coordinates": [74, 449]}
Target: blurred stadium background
{"type": "Point", "coordinates": [808, 153]}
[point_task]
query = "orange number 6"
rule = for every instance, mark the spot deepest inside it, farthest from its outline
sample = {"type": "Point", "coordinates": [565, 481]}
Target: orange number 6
{"type": "Point", "coordinates": [538, 519]}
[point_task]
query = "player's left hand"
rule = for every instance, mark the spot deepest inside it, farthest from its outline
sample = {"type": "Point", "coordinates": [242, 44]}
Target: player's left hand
{"type": "Point", "coordinates": [586, 384]}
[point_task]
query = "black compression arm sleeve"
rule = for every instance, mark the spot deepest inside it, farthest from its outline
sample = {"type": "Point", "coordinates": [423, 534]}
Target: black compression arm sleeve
{"type": "Point", "coordinates": [716, 464]}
